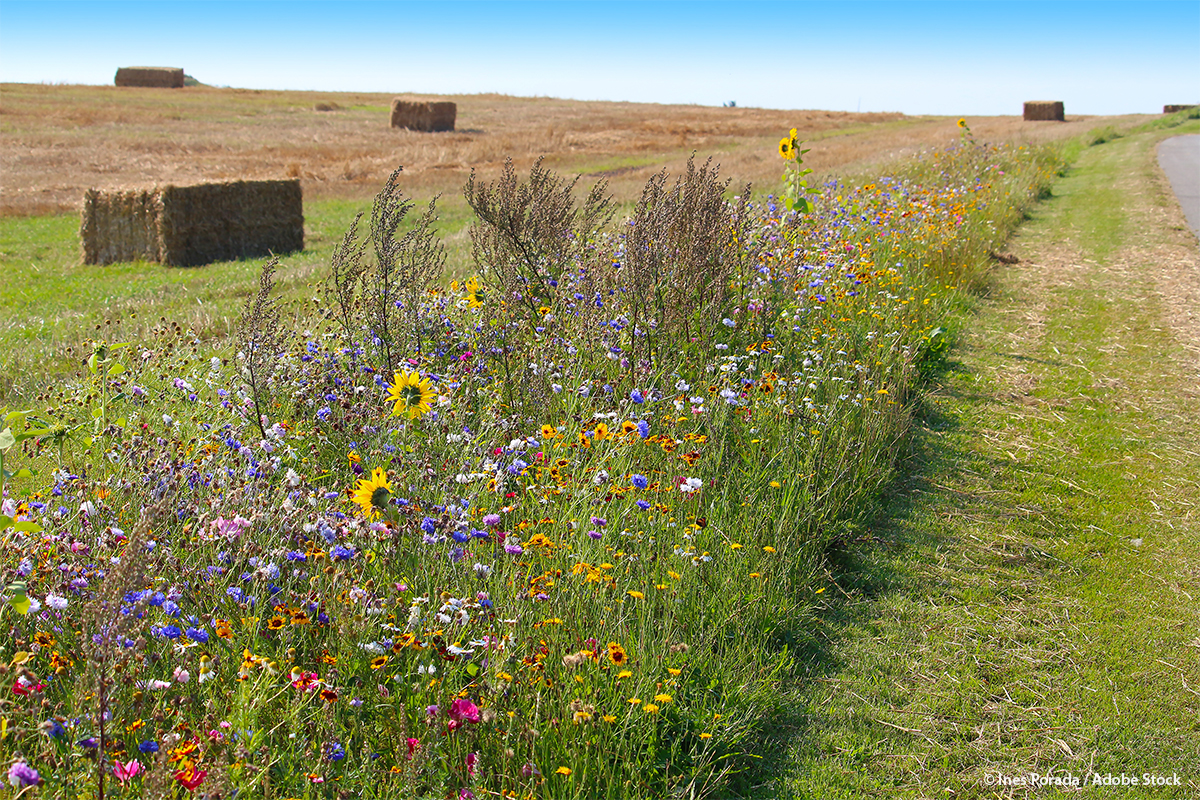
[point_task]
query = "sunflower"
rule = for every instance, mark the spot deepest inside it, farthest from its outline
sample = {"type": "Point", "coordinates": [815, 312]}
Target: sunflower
{"type": "Point", "coordinates": [788, 146]}
{"type": "Point", "coordinates": [475, 293]}
{"type": "Point", "coordinates": [411, 394]}
{"type": "Point", "coordinates": [962, 123]}
{"type": "Point", "coordinates": [373, 493]}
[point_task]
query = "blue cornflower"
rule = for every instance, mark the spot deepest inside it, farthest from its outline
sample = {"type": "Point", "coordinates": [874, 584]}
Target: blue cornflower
{"type": "Point", "coordinates": [639, 481]}
{"type": "Point", "coordinates": [148, 746]}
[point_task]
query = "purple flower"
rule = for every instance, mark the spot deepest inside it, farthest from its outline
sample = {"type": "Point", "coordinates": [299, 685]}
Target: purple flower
{"type": "Point", "coordinates": [636, 397]}
{"type": "Point", "coordinates": [341, 552]}
{"type": "Point", "coordinates": [599, 522]}
{"type": "Point", "coordinates": [639, 481]}
{"type": "Point", "coordinates": [643, 428]}
{"type": "Point", "coordinates": [513, 549]}
{"type": "Point", "coordinates": [643, 504]}
{"type": "Point", "coordinates": [595, 534]}
{"type": "Point", "coordinates": [21, 774]}
{"type": "Point", "coordinates": [491, 520]}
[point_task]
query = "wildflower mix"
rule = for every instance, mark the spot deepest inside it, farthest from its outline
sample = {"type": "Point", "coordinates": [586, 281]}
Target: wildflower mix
{"type": "Point", "coordinates": [541, 533]}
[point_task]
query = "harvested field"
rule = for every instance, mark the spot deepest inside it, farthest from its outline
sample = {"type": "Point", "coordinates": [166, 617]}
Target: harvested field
{"type": "Point", "coordinates": [58, 141]}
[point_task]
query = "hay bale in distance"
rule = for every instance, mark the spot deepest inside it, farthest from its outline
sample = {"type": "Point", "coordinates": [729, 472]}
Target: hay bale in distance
{"type": "Point", "coordinates": [191, 225]}
{"type": "Point", "coordinates": [1038, 110]}
{"type": "Point", "coordinates": [1173, 109]}
{"type": "Point", "coordinates": [423, 115]}
{"type": "Point", "coordinates": [160, 77]}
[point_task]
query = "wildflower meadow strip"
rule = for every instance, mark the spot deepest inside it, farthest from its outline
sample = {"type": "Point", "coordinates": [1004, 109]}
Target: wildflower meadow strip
{"type": "Point", "coordinates": [545, 533]}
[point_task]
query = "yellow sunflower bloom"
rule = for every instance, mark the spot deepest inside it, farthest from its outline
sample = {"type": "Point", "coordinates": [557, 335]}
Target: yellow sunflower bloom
{"type": "Point", "coordinates": [476, 296]}
{"type": "Point", "coordinates": [372, 494]}
{"type": "Point", "coordinates": [785, 149]}
{"type": "Point", "coordinates": [411, 393]}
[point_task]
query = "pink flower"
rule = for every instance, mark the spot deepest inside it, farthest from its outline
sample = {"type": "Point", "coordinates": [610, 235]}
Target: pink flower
{"type": "Point", "coordinates": [472, 763]}
{"type": "Point", "coordinates": [127, 771]}
{"type": "Point", "coordinates": [464, 710]}
{"type": "Point", "coordinates": [413, 745]}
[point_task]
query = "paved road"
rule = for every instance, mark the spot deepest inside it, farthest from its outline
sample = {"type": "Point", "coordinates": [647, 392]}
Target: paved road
{"type": "Point", "coordinates": [1180, 159]}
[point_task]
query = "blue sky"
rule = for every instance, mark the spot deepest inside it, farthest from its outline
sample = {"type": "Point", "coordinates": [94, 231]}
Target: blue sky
{"type": "Point", "coordinates": [917, 57]}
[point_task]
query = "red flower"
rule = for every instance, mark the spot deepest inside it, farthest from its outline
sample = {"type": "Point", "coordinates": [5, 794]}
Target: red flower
{"type": "Point", "coordinates": [191, 778]}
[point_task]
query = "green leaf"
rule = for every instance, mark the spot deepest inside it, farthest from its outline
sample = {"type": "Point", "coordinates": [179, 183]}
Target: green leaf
{"type": "Point", "coordinates": [28, 527]}
{"type": "Point", "coordinates": [472, 670]}
{"type": "Point", "coordinates": [116, 368]}
{"type": "Point", "coordinates": [5, 521]}
{"type": "Point", "coordinates": [7, 439]}
{"type": "Point", "coordinates": [16, 416]}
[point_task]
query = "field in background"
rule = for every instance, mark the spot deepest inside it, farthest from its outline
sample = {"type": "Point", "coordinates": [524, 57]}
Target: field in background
{"type": "Point", "coordinates": [57, 141]}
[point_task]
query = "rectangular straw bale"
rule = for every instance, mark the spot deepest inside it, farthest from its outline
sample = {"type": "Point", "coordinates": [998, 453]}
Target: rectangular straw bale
{"type": "Point", "coordinates": [161, 77]}
{"type": "Point", "coordinates": [121, 226]}
{"type": "Point", "coordinates": [423, 115]}
{"type": "Point", "coordinates": [1173, 109]}
{"type": "Point", "coordinates": [1039, 110]}
{"type": "Point", "coordinates": [191, 225]}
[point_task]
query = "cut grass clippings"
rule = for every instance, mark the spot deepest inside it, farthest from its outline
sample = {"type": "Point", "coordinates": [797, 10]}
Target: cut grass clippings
{"type": "Point", "coordinates": [1026, 601]}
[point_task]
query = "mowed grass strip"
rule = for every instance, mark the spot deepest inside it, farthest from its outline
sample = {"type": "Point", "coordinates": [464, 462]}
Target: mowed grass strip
{"type": "Point", "coordinates": [54, 304]}
{"type": "Point", "coordinates": [1028, 599]}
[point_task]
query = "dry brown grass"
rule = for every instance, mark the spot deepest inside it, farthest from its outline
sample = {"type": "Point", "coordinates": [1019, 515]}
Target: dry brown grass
{"type": "Point", "coordinates": [57, 141]}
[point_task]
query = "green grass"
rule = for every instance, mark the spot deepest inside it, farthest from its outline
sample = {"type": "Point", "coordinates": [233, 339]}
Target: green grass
{"type": "Point", "coordinates": [53, 304]}
{"type": "Point", "coordinates": [1026, 598]}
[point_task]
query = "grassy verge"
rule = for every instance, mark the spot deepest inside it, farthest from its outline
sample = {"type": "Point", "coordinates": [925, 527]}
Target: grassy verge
{"type": "Point", "coordinates": [553, 532]}
{"type": "Point", "coordinates": [1026, 601]}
